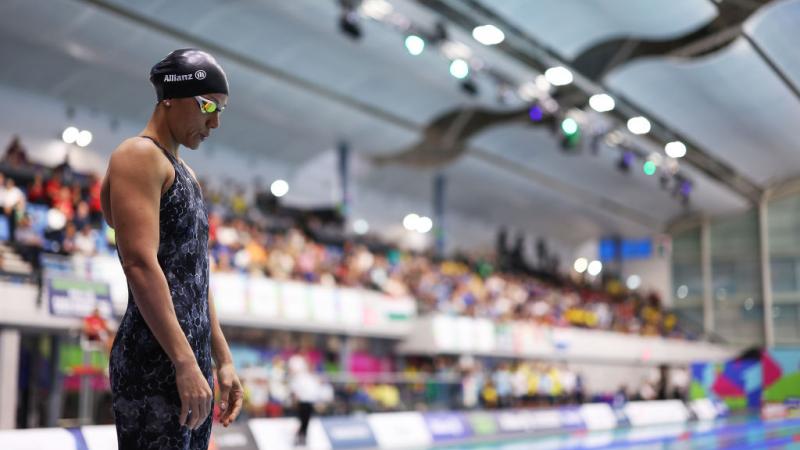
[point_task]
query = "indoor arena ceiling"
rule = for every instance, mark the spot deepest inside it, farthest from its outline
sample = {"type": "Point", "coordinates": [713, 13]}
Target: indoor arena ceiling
{"type": "Point", "coordinates": [720, 76]}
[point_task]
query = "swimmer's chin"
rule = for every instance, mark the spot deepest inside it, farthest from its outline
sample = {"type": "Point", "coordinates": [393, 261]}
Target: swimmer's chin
{"type": "Point", "coordinates": [193, 145]}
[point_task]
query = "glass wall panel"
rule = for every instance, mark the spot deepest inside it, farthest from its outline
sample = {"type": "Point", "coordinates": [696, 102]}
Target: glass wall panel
{"type": "Point", "coordinates": [783, 221]}
{"type": "Point", "coordinates": [736, 279]}
{"type": "Point", "coordinates": [687, 278]}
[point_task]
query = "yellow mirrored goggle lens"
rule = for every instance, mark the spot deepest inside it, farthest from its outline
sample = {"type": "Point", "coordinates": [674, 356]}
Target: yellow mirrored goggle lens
{"type": "Point", "coordinates": [208, 107]}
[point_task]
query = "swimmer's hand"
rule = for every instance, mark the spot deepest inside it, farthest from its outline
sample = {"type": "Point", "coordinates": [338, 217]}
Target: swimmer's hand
{"type": "Point", "coordinates": [231, 393]}
{"type": "Point", "coordinates": [195, 394]}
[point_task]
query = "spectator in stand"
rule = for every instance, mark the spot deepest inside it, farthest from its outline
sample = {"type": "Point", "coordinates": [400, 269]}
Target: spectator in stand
{"type": "Point", "coordinates": [238, 202]}
{"type": "Point", "coordinates": [489, 395]}
{"type": "Point", "coordinates": [63, 202]}
{"type": "Point", "coordinates": [82, 216]}
{"type": "Point", "coordinates": [68, 245]}
{"type": "Point", "coordinates": [86, 241]}
{"type": "Point", "coordinates": [95, 328]}
{"type": "Point", "coordinates": [95, 205]}
{"type": "Point", "coordinates": [52, 188]}
{"type": "Point", "coordinates": [503, 383]}
{"type": "Point", "coordinates": [12, 202]}
{"type": "Point", "coordinates": [15, 155]}
{"type": "Point", "coordinates": [305, 390]}
{"type": "Point", "coordinates": [77, 193]}
{"type": "Point", "coordinates": [620, 397]}
{"type": "Point", "coordinates": [36, 191]}
{"type": "Point", "coordinates": [28, 243]}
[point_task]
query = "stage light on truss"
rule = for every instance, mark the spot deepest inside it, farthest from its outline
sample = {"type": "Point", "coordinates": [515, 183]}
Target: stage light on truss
{"type": "Point", "coordinates": [376, 9]}
{"type": "Point", "coordinates": [535, 113]}
{"type": "Point", "coordinates": [602, 103]}
{"type": "Point", "coordinates": [459, 69]}
{"type": "Point", "coordinates": [639, 125]}
{"type": "Point", "coordinates": [625, 161]}
{"type": "Point", "coordinates": [414, 44]}
{"type": "Point", "coordinates": [469, 86]}
{"type": "Point", "coordinates": [488, 34]}
{"type": "Point", "coordinates": [558, 76]}
{"type": "Point", "coordinates": [348, 24]}
{"type": "Point", "coordinates": [569, 126]}
{"type": "Point", "coordinates": [675, 149]}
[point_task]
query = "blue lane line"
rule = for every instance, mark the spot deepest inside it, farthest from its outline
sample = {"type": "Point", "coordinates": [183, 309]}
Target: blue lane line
{"type": "Point", "coordinates": [772, 443]}
{"type": "Point", "coordinates": [694, 435]}
{"type": "Point", "coordinates": [80, 442]}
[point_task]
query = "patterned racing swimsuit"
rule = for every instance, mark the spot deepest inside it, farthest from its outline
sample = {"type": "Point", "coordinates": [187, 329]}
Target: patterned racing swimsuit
{"type": "Point", "coordinates": [145, 397]}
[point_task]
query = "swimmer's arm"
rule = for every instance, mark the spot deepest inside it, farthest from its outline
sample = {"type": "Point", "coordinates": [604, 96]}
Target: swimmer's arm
{"type": "Point", "coordinates": [105, 199]}
{"type": "Point", "coordinates": [230, 388]}
{"type": "Point", "coordinates": [219, 346]}
{"type": "Point", "coordinates": [138, 174]}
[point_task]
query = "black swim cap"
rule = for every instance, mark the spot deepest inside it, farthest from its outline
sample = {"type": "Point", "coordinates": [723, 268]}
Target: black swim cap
{"type": "Point", "coordinates": [188, 72]}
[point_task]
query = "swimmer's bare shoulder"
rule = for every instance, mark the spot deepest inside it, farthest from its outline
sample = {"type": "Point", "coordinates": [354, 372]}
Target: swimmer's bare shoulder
{"type": "Point", "coordinates": [139, 161]}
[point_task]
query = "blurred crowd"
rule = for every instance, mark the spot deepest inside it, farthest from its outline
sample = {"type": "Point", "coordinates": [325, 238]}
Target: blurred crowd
{"type": "Point", "coordinates": [241, 242]}
{"type": "Point", "coordinates": [428, 383]}
{"type": "Point", "coordinates": [367, 380]}
{"type": "Point", "coordinates": [54, 210]}
{"type": "Point", "coordinates": [60, 211]}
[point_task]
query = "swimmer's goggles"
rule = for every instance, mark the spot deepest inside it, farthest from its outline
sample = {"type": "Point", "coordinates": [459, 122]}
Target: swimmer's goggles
{"type": "Point", "coordinates": [208, 106]}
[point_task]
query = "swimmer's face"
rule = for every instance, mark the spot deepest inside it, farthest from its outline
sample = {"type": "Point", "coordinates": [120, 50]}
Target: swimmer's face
{"type": "Point", "coordinates": [189, 124]}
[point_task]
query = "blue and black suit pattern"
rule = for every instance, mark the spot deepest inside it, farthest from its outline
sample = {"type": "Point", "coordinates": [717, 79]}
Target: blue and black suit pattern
{"type": "Point", "coordinates": [145, 397]}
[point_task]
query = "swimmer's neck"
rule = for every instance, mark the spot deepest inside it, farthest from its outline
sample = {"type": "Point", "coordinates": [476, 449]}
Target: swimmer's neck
{"type": "Point", "coordinates": [157, 129]}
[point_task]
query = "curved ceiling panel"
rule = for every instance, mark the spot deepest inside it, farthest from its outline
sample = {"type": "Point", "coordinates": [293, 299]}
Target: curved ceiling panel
{"type": "Point", "coordinates": [775, 29]}
{"type": "Point", "coordinates": [731, 103]}
{"type": "Point", "coordinates": [570, 26]}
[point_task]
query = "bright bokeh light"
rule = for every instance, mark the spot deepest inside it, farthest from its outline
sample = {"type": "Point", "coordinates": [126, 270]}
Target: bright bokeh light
{"type": "Point", "coordinates": [633, 282]}
{"type": "Point", "coordinates": [415, 44]}
{"type": "Point", "coordinates": [638, 125]}
{"type": "Point", "coordinates": [569, 126]}
{"type": "Point", "coordinates": [675, 149]}
{"type": "Point", "coordinates": [70, 135]}
{"type": "Point", "coordinates": [424, 225]}
{"type": "Point", "coordinates": [488, 35]}
{"type": "Point", "coordinates": [595, 267]}
{"type": "Point", "coordinates": [84, 138]}
{"type": "Point", "coordinates": [279, 188]}
{"type": "Point", "coordinates": [459, 69]}
{"type": "Point", "coordinates": [361, 226]}
{"type": "Point", "coordinates": [411, 221]}
{"type": "Point", "coordinates": [558, 76]}
{"type": "Point", "coordinates": [602, 103]}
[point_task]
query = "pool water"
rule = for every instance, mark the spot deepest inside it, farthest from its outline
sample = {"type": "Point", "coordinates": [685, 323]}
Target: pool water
{"type": "Point", "coordinates": [738, 433]}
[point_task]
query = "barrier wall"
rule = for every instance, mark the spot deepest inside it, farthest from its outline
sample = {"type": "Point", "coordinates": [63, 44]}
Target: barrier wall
{"type": "Point", "coordinates": [459, 335]}
{"type": "Point", "coordinates": [74, 285]}
{"type": "Point", "coordinates": [396, 430]}
{"type": "Point", "coordinates": [268, 304]}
